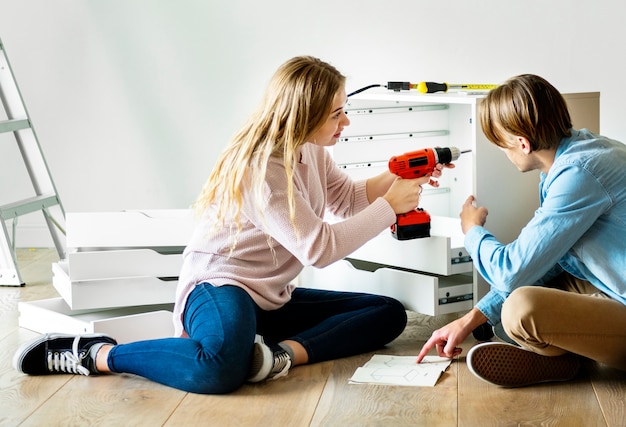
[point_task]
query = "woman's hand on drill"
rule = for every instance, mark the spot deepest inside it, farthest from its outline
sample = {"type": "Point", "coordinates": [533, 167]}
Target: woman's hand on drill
{"type": "Point", "coordinates": [404, 194]}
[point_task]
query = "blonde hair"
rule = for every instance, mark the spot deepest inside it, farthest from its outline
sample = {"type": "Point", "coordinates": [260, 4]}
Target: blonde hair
{"type": "Point", "coordinates": [526, 105]}
{"type": "Point", "coordinates": [296, 104]}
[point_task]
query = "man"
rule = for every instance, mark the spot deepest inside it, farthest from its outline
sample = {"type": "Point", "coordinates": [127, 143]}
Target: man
{"type": "Point", "coordinates": [559, 289]}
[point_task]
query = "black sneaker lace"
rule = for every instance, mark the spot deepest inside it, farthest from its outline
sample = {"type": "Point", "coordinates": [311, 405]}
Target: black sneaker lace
{"type": "Point", "coordinates": [68, 361]}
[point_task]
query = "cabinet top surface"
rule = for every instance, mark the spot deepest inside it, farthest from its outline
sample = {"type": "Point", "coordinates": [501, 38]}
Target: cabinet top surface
{"type": "Point", "coordinates": [453, 97]}
{"type": "Point", "coordinates": [465, 97]}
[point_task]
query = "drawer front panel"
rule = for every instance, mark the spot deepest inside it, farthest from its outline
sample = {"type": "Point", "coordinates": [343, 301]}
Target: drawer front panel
{"type": "Point", "coordinates": [123, 263]}
{"type": "Point", "coordinates": [417, 292]}
{"type": "Point", "coordinates": [107, 293]}
{"type": "Point", "coordinates": [126, 325]}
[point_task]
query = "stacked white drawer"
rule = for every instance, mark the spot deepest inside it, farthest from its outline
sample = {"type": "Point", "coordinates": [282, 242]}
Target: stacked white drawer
{"type": "Point", "coordinates": [119, 277]}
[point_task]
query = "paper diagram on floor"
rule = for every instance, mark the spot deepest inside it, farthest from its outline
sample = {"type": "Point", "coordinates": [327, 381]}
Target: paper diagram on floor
{"type": "Point", "coordinates": [401, 370]}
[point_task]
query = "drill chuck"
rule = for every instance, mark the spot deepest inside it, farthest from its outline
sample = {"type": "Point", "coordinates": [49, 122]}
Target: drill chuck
{"type": "Point", "coordinates": [446, 155]}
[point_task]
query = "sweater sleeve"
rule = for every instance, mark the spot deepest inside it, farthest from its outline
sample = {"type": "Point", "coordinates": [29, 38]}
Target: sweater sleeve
{"type": "Point", "coordinates": [345, 197]}
{"type": "Point", "coordinates": [320, 243]}
{"type": "Point", "coordinates": [321, 185]}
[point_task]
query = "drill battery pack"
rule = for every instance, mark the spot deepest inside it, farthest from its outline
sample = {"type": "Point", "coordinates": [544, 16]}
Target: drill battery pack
{"type": "Point", "coordinates": [411, 225]}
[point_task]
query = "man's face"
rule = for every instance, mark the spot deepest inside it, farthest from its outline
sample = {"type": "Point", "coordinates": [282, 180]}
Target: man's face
{"type": "Point", "coordinates": [519, 153]}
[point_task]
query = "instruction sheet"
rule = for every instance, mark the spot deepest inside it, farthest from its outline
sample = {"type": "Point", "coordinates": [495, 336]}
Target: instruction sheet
{"type": "Point", "coordinates": [401, 370]}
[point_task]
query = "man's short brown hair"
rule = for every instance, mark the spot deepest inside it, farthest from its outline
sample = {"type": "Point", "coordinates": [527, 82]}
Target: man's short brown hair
{"type": "Point", "coordinates": [525, 105]}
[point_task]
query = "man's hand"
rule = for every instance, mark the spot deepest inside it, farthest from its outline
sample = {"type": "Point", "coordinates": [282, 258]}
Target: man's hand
{"type": "Point", "coordinates": [447, 339]}
{"type": "Point", "coordinates": [472, 215]}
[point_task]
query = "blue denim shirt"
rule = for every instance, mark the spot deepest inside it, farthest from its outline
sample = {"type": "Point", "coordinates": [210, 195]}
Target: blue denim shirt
{"type": "Point", "coordinates": [580, 226]}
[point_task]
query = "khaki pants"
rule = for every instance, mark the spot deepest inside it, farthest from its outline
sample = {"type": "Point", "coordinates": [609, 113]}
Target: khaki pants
{"type": "Point", "coordinates": [570, 315]}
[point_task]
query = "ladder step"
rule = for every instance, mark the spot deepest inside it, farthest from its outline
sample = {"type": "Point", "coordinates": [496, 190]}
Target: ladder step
{"type": "Point", "coordinates": [26, 206]}
{"type": "Point", "coordinates": [13, 125]}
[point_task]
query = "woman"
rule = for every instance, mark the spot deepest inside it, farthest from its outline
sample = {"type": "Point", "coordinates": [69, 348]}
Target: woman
{"type": "Point", "coordinates": [237, 316]}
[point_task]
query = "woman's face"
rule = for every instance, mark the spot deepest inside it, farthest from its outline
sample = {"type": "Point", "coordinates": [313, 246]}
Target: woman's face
{"type": "Point", "coordinates": [331, 130]}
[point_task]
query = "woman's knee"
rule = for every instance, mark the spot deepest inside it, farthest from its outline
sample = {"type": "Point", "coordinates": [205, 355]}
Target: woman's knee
{"type": "Point", "coordinates": [395, 317]}
{"type": "Point", "coordinates": [212, 382]}
{"type": "Point", "coordinates": [218, 371]}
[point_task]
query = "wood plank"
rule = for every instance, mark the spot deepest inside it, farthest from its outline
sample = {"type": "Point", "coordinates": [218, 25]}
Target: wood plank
{"type": "Point", "coordinates": [36, 269]}
{"type": "Point", "coordinates": [36, 265]}
{"type": "Point", "coordinates": [572, 403]}
{"type": "Point", "coordinates": [375, 405]}
{"type": "Point", "coordinates": [9, 298]}
{"type": "Point", "coordinates": [114, 400]}
{"type": "Point", "coordinates": [288, 401]}
{"type": "Point", "coordinates": [610, 388]}
{"type": "Point", "coordinates": [21, 395]}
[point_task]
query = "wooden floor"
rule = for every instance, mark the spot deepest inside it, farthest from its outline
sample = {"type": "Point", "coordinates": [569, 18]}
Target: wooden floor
{"type": "Point", "coordinates": [316, 395]}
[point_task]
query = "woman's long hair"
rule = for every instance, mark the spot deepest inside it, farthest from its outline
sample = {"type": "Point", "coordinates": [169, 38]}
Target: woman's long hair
{"type": "Point", "coordinates": [296, 104]}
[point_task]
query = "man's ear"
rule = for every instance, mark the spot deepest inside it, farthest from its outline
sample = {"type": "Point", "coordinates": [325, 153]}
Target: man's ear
{"type": "Point", "coordinates": [523, 144]}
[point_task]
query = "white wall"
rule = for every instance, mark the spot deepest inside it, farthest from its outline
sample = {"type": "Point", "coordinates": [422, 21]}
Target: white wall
{"type": "Point", "coordinates": [133, 100]}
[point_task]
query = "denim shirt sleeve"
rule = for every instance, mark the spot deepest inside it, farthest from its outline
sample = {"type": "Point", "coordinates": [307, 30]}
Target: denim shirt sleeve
{"type": "Point", "coordinates": [571, 201]}
{"type": "Point", "coordinates": [491, 305]}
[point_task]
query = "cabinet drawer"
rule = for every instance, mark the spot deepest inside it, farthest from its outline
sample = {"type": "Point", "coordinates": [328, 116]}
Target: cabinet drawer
{"type": "Point", "coordinates": [126, 324]}
{"type": "Point", "coordinates": [110, 264]}
{"type": "Point", "coordinates": [166, 228]}
{"type": "Point", "coordinates": [108, 293]}
{"type": "Point", "coordinates": [442, 253]}
{"type": "Point", "coordinates": [426, 294]}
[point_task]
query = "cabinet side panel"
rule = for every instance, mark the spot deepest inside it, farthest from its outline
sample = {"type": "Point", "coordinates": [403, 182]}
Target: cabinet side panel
{"type": "Point", "coordinates": [510, 196]}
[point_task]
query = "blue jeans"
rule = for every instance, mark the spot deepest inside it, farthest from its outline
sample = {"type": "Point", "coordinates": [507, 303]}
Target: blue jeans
{"type": "Point", "coordinates": [222, 321]}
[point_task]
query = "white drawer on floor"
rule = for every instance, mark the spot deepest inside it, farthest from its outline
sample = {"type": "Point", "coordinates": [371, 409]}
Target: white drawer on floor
{"type": "Point", "coordinates": [443, 253]}
{"type": "Point", "coordinates": [167, 228]}
{"type": "Point", "coordinates": [111, 264]}
{"type": "Point", "coordinates": [110, 293]}
{"type": "Point", "coordinates": [426, 294]}
{"type": "Point", "coordinates": [126, 324]}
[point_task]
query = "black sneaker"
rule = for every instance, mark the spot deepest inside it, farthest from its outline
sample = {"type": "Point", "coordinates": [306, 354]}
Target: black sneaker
{"type": "Point", "coordinates": [507, 365]}
{"type": "Point", "coordinates": [59, 353]}
{"type": "Point", "coordinates": [269, 361]}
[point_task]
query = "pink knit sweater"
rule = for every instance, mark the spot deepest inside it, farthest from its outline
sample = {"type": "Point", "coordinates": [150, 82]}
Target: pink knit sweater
{"type": "Point", "coordinates": [266, 276]}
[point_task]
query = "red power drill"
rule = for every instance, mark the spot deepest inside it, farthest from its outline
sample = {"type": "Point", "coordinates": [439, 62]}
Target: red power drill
{"type": "Point", "coordinates": [415, 164]}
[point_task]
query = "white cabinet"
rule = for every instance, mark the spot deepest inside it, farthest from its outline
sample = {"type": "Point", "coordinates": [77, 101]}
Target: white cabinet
{"type": "Point", "coordinates": [419, 272]}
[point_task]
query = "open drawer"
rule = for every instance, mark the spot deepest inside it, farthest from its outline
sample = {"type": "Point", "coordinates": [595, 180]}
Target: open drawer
{"type": "Point", "coordinates": [109, 293]}
{"type": "Point", "coordinates": [443, 253]}
{"type": "Point", "coordinates": [126, 324]}
{"type": "Point", "coordinates": [422, 293]}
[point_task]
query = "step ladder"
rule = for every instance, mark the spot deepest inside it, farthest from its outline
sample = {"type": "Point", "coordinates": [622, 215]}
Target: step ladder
{"type": "Point", "coordinates": [45, 199]}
